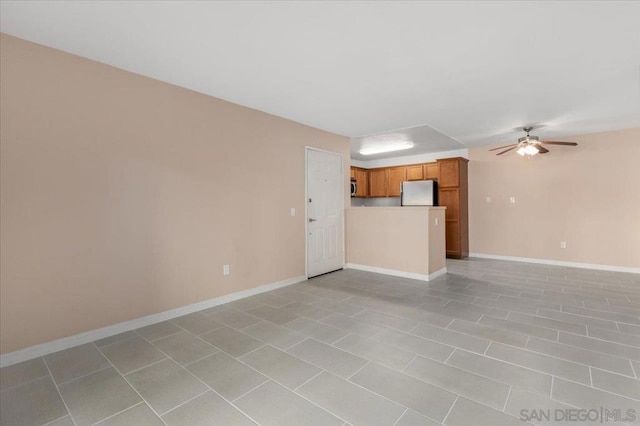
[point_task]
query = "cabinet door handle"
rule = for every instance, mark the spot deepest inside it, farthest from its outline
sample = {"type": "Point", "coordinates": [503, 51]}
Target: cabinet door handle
{"type": "Point", "coordinates": [312, 220]}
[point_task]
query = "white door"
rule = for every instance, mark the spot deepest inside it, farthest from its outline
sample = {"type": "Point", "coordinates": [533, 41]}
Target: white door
{"type": "Point", "coordinates": [325, 212]}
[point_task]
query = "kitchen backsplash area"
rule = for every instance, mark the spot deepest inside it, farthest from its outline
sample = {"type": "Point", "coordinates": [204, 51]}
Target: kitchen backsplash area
{"type": "Point", "coordinates": [376, 202]}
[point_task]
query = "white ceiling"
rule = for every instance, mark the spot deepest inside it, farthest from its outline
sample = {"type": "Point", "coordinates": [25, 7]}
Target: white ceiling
{"type": "Point", "coordinates": [475, 71]}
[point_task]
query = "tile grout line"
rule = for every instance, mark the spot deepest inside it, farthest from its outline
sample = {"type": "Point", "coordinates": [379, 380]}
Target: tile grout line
{"type": "Point", "coordinates": [506, 401]}
{"type": "Point", "coordinates": [450, 409]}
{"type": "Point", "coordinates": [119, 340]}
{"type": "Point", "coordinates": [148, 365]}
{"type": "Point", "coordinates": [131, 386]}
{"type": "Point", "coordinates": [349, 381]}
{"type": "Point", "coordinates": [451, 354]}
{"type": "Point", "coordinates": [540, 372]}
{"type": "Point", "coordinates": [58, 390]}
{"type": "Point", "coordinates": [187, 401]}
{"type": "Point", "coordinates": [401, 415]}
{"type": "Point", "coordinates": [84, 375]}
{"type": "Point", "coordinates": [182, 330]}
{"type": "Point", "coordinates": [218, 350]}
{"type": "Point", "coordinates": [119, 412]}
{"type": "Point", "coordinates": [308, 380]}
{"type": "Point", "coordinates": [28, 381]}
{"type": "Point", "coordinates": [59, 418]}
{"type": "Point", "coordinates": [358, 370]}
{"type": "Point", "coordinates": [634, 370]}
{"type": "Point", "coordinates": [250, 352]}
{"type": "Point", "coordinates": [413, 359]}
{"type": "Point", "coordinates": [220, 395]}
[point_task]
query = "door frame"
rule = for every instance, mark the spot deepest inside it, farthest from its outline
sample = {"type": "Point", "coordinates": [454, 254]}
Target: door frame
{"type": "Point", "coordinates": [308, 148]}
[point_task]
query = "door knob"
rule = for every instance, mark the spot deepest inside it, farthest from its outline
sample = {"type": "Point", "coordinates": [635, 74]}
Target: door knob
{"type": "Point", "coordinates": [312, 220]}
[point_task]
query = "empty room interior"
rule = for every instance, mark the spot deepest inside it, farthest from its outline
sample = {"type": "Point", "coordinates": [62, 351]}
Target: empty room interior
{"type": "Point", "coordinates": [321, 213]}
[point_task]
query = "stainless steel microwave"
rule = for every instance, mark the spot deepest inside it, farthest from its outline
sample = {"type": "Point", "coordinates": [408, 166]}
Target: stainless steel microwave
{"type": "Point", "coordinates": [354, 187]}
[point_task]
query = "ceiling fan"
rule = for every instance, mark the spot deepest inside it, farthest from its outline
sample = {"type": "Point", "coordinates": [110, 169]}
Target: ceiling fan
{"type": "Point", "coordinates": [530, 145]}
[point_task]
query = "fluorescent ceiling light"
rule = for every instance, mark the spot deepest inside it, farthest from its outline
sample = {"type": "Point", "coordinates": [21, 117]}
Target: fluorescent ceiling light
{"type": "Point", "coordinates": [378, 149]}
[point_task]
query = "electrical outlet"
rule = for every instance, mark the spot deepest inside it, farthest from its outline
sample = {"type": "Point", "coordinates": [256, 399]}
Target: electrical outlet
{"type": "Point", "coordinates": [512, 200]}
{"type": "Point", "coordinates": [488, 199]}
{"type": "Point", "coordinates": [293, 211]}
{"type": "Point", "coordinates": [563, 244]}
{"type": "Point", "coordinates": [436, 221]}
{"type": "Point", "coordinates": [225, 270]}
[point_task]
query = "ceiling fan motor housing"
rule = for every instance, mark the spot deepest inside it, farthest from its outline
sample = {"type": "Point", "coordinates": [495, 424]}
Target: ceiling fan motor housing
{"type": "Point", "coordinates": [529, 139]}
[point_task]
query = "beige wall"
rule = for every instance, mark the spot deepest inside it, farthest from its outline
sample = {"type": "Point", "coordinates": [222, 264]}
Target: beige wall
{"type": "Point", "coordinates": [403, 239]}
{"type": "Point", "coordinates": [123, 196]}
{"type": "Point", "coordinates": [588, 196]}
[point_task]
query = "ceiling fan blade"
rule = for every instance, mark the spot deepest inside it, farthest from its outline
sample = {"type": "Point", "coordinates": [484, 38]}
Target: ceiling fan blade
{"type": "Point", "coordinates": [542, 149]}
{"type": "Point", "coordinates": [506, 146]}
{"type": "Point", "coordinates": [507, 150]}
{"type": "Point", "coordinates": [559, 143]}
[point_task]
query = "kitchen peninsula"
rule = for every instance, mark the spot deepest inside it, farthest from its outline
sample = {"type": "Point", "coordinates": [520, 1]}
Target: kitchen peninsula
{"type": "Point", "coordinates": [402, 241]}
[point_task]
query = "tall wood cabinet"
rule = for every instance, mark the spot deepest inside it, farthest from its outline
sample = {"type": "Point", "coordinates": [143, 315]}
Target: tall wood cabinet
{"type": "Point", "coordinates": [453, 192]}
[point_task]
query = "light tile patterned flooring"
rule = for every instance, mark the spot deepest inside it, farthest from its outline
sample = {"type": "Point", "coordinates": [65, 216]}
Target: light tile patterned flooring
{"type": "Point", "coordinates": [476, 346]}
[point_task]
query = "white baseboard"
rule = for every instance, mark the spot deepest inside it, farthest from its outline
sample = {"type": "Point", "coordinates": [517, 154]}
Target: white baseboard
{"type": "Point", "coordinates": [558, 263]}
{"type": "Point", "coordinates": [100, 333]}
{"type": "Point", "coordinates": [397, 273]}
{"type": "Point", "coordinates": [438, 273]}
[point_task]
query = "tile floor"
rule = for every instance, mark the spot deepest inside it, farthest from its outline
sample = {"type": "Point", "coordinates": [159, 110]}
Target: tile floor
{"type": "Point", "coordinates": [476, 346]}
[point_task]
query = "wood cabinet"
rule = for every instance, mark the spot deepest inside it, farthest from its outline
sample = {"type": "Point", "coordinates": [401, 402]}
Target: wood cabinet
{"type": "Point", "coordinates": [431, 171]}
{"type": "Point", "coordinates": [415, 172]}
{"type": "Point", "coordinates": [386, 182]}
{"type": "Point", "coordinates": [453, 193]}
{"type": "Point", "coordinates": [449, 173]}
{"type": "Point", "coordinates": [396, 176]}
{"type": "Point", "coordinates": [362, 181]}
{"type": "Point", "coordinates": [378, 182]}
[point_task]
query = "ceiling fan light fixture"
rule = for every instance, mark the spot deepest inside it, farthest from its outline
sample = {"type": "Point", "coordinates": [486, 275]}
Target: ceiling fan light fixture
{"type": "Point", "coordinates": [528, 149]}
{"type": "Point", "coordinates": [530, 145]}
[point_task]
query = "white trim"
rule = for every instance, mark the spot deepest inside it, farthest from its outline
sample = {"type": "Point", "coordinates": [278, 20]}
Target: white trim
{"type": "Point", "coordinates": [397, 273]}
{"type": "Point", "coordinates": [100, 333]}
{"type": "Point", "coordinates": [438, 273]}
{"type": "Point", "coordinates": [308, 148]}
{"type": "Point", "coordinates": [558, 263]}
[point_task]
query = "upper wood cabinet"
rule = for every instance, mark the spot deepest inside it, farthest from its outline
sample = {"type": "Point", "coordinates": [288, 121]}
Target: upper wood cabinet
{"type": "Point", "coordinates": [431, 171]}
{"type": "Point", "coordinates": [397, 175]}
{"type": "Point", "coordinates": [353, 173]}
{"type": "Point", "coordinates": [362, 180]}
{"type": "Point", "coordinates": [449, 173]}
{"type": "Point", "coordinates": [415, 172]}
{"type": "Point", "coordinates": [378, 182]}
{"type": "Point", "coordinates": [386, 182]}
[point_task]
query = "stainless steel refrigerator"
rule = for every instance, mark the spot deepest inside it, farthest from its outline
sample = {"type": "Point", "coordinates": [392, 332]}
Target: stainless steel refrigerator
{"type": "Point", "coordinates": [419, 193]}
